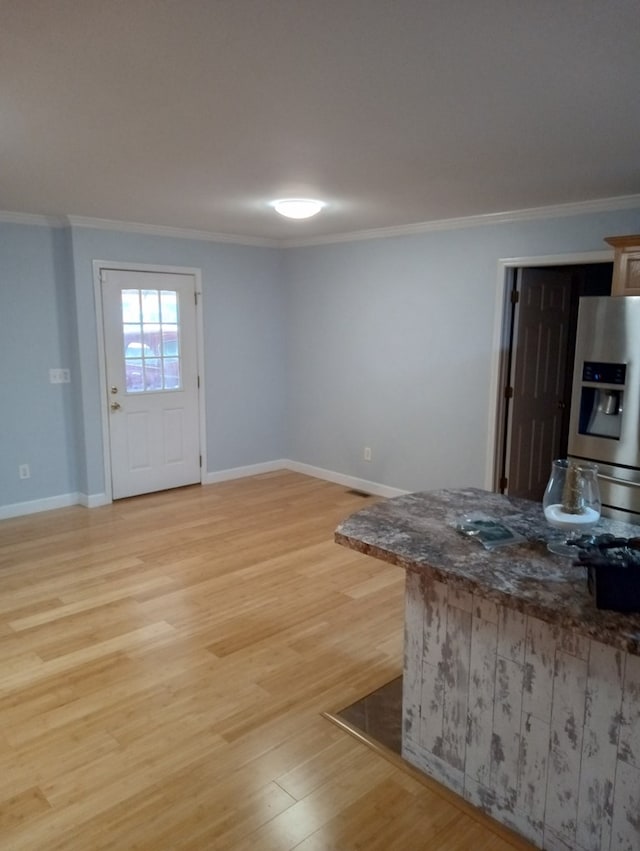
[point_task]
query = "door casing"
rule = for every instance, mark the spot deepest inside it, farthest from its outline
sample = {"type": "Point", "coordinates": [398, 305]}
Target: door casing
{"type": "Point", "coordinates": [500, 346]}
{"type": "Point", "coordinates": [98, 266]}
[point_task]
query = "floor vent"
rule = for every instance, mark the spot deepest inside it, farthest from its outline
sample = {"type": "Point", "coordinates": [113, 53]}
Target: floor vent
{"type": "Point", "coordinates": [356, 492]}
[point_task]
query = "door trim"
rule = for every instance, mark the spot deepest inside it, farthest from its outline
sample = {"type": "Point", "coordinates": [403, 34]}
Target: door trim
{"type": "Point", "coordinates": [98, 267]}
{"type": "Point", "coordinates": [506, 267]}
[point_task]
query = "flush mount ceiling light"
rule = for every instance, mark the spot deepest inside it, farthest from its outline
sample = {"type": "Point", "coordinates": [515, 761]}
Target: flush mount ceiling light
{"type": "Point", "coordinates": [297, 208]}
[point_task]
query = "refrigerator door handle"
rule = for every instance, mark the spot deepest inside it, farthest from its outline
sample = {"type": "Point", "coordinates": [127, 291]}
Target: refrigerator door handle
{"type": "Point", "coordinates": [618, 481]}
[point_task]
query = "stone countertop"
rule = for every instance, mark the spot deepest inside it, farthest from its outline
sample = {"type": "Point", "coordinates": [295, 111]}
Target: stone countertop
{"type": "Point", "coordinates": [417, 532]}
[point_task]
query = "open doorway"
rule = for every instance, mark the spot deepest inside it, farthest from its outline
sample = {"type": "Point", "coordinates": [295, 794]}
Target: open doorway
{"type": "Point", "coordinates": [538, 342]}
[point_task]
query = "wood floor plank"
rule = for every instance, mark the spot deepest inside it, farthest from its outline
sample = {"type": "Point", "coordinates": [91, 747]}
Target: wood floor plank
{"type": "Point", "coordinates": [164, 663]}
{"type": "Point", "coordinates": [20, 807]}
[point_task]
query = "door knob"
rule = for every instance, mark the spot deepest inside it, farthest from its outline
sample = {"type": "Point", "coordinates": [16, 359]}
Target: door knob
{"type": "Point", "coordinates": [115, 406]}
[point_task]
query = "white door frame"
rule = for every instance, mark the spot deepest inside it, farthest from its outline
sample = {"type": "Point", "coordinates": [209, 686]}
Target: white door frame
{"type": "Point", "coordinates": [502, 305]}
{"type": "Point", "coordinates": [98, 266]}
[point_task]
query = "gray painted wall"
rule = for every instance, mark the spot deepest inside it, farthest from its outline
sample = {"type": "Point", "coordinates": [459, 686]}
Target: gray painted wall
{"type": "Point", "coordinates": [391, 346]}
{"type": "Point", "coordinates": [244, 342]}
{"type": "Point", "coordinates": [47, 318]}
{"type": "Point", "coordinates": [310, 353]}
{"type": "Point", "coordinates": [37, 419]}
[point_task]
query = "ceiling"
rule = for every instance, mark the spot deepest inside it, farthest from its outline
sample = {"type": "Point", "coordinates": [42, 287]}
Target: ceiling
{"type": "Point", "coordinates": [196, 113]}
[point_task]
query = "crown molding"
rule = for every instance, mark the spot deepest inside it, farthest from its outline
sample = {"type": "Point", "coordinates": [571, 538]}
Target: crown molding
{"type": "Point", "coordinates": [31, 219]}
{"type": "Point", "coordinates": [601, 205]}
{"type": "Point", "coordinates": [165, 231]}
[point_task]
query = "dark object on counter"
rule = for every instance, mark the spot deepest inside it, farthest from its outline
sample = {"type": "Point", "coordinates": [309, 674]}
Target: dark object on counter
{"type": "Point", "coordinates": [613, 566]}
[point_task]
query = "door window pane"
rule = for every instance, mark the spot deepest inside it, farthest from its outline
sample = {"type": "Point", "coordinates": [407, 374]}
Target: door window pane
{"type": "Point", "coordinates": [150, 305]}
{"type": "Point", "coordinates": [171, 367]}
{"type": "Point", "coordinates": [169, 306]}
{"type": "Point", "coordinates": [151, 340]}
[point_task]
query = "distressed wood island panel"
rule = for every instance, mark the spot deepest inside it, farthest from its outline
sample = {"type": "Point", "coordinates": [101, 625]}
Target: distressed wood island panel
{"type": "Point", "coordinates": [518, 693]}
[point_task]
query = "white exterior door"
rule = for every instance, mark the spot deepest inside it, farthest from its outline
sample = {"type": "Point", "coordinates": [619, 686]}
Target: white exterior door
{"type": "Point", "coordinates": [152, 380]}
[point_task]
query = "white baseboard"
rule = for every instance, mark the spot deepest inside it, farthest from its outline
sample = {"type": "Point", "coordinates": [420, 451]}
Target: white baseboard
{"type": "Point", "coordinates": [243, 472]}
{"type": "Point", "coordinates": [307, 470]}
{"type": "Point", "coordinates": [34, 506]}
{"type": "Point", "coordinates": [93, 500]}
{"type": "Point", "coordinates": [98, 499]}
{"type": "Point", "coordinates": [341, 479]}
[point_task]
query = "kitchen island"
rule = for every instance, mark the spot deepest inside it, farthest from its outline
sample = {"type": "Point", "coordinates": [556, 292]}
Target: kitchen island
{"type": "Point", "coordinates": [518, 693]}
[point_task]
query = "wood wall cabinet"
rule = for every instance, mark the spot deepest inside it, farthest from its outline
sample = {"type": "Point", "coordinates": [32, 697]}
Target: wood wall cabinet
{"type": "Point", "coordinates": [626, 264]}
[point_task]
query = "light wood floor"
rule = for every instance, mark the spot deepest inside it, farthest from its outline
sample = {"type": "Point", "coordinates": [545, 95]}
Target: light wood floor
{"type": "Point", "coordinates": [164, 663]}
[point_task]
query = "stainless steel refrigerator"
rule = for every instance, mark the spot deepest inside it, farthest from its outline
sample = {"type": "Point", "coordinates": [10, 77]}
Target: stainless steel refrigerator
{"type": "Point", "coordinates": [605, 401]}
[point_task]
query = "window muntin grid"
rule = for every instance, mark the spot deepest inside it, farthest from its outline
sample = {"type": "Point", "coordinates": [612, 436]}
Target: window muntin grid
{"type": "Point", "coordinates": [151, 334]}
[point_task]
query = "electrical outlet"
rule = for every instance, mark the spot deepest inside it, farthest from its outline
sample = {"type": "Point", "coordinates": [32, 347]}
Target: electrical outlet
{"type": "Point", "coordinates": [24, 472]}
{"type": "Point", "coordinates": [59, 376]}
{"type": "Point", "coordinates": [367, 453]}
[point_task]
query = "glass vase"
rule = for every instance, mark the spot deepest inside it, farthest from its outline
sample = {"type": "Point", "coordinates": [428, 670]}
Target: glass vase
{"type": "Point", "coordinates": [571, 503]}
